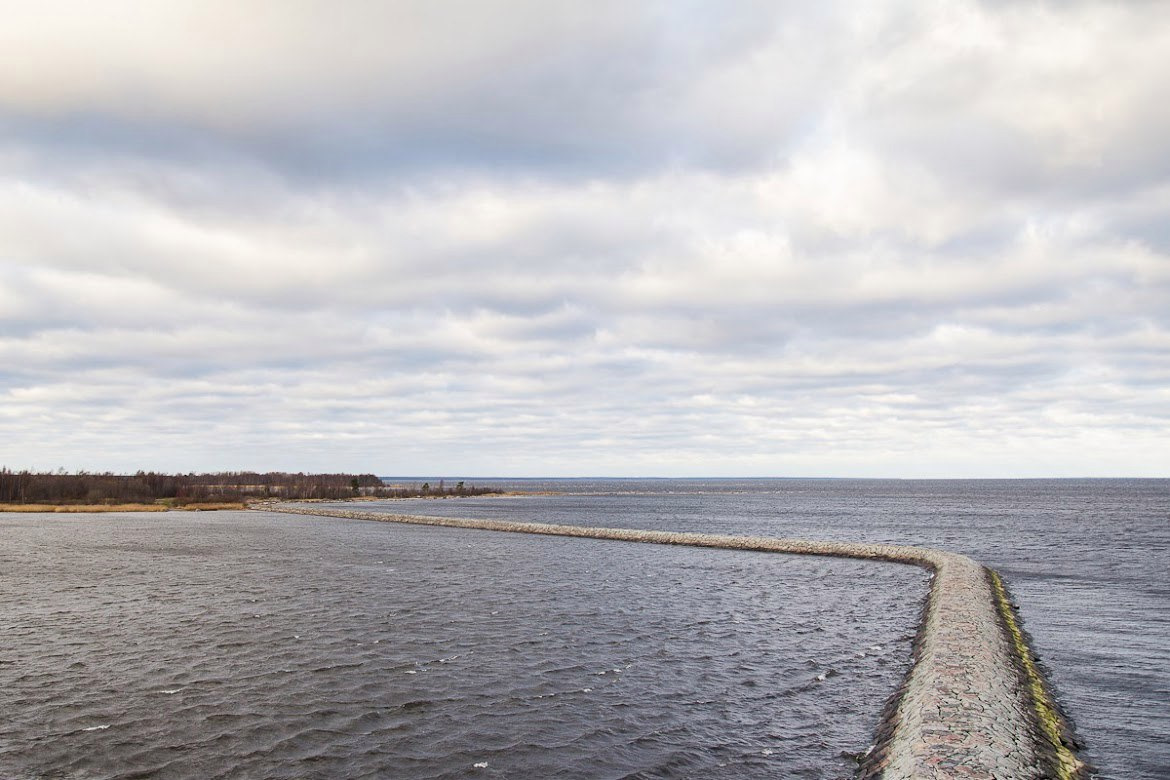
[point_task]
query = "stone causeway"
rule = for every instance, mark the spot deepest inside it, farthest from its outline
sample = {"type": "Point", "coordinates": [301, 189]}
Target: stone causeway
{"type": "Point", "coordinates": [973, 705]}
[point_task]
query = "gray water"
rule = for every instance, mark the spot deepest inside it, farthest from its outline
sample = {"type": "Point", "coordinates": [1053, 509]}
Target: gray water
{"type": "Point", "coordinates": [1087, 560]}
{"type": "Point", "coordinates": [253, 645]}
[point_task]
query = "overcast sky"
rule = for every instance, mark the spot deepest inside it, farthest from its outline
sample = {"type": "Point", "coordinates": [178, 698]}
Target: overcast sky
{"type": "Point", "coordinates": [586, 238]}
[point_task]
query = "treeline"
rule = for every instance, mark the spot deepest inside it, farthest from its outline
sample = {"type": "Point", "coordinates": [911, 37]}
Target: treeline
{"type": "Point", "coordinates": [26, 487]}
{"type": "Point", "coordinates": [426, 490]}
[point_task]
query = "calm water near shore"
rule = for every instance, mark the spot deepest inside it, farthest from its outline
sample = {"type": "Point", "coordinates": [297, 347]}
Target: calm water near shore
{"type": "Point", "coordinates": [1087, 561]}
{"type": "Point", "coordinates": [254, 645]}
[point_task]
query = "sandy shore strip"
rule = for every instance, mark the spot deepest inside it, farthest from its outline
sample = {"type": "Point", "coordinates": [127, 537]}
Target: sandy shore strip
{"type": "Point", "coordinates": [202, 506]}
{"type": "Point", "coordinates": [973, 705]}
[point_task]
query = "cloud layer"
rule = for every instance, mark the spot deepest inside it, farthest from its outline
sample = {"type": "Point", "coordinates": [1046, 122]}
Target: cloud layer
{"type": "Point", "coordinates": [563, 238]}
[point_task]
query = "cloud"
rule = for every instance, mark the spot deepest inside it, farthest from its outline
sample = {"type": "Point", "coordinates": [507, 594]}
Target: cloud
{"type": "Point", "coordinates": [379, 88]}
{"type": "Point", "coordinates": [906, 240]}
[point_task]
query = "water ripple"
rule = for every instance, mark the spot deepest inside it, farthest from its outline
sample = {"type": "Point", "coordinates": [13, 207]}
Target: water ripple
{"type": "Point", "coordinates": [242, 645]}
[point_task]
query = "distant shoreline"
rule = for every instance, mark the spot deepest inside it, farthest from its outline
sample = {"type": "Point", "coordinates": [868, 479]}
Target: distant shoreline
{"type": "Point", "coordinates": [49, 508]}
{"type": "Point", "coordinates": [218, 490]}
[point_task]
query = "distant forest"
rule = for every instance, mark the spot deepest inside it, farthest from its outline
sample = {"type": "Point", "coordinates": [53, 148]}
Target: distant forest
{"type": "Point", "coordinates": [26, 487]}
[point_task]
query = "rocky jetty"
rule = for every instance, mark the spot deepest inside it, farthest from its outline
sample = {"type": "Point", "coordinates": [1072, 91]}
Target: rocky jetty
{"type": "Point", "coordinates": [973, 705]}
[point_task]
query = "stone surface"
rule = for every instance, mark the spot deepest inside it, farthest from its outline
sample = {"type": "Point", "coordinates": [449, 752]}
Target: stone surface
{"type": "Point", "coordinates": [966, 709]}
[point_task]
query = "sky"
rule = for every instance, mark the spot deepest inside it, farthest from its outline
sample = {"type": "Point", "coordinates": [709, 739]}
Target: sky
{"type": "Point", "coordinates": [548, 238]}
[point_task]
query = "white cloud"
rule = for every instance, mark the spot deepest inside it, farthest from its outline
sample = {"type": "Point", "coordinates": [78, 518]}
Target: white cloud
{"type": "Point", "coordinates": [915, 241]}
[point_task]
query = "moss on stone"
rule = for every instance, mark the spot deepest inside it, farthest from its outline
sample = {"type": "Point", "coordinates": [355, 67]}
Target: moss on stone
{"type": "Point", "coordinates": [1050, 722]}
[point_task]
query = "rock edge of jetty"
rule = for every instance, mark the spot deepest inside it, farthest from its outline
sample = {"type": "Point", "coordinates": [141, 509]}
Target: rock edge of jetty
{"type": "Point", "coordinates": [973, 705]}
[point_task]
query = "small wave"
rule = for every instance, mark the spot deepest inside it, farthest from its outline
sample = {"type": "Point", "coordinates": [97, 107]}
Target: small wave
{"type": "Point", "coordinates": [97, 728]}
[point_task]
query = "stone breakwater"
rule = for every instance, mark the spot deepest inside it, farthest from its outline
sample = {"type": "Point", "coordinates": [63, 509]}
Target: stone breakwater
{"type": "Point", "coordinates": [974, 704]}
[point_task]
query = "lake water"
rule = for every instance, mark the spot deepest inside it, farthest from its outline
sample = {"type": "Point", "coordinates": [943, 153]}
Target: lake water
{"type": "Point", "coordinates": [258, 645]}
{"type": "Point", "coordinates": [1087, 560]}
{"type": "Point", "coordinates": [261, 645]}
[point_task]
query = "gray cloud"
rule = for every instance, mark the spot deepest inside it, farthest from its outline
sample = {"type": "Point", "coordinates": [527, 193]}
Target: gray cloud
{"type": "Point", "coordinates": [567, 238]}
{"type": "Point", "coordinates": [405, 89]}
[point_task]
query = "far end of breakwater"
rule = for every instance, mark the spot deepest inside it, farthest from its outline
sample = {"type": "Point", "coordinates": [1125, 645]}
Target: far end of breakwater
{"type": "Point", "coordinates": [974, 703]}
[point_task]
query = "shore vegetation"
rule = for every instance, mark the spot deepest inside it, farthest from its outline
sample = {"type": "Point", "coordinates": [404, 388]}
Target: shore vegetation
{"type": "Point", "coordinates": [83, 491]}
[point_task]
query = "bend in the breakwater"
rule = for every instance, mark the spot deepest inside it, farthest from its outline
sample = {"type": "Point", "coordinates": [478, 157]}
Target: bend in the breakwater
{"type": "Point", "coordinates": [973, 704]}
